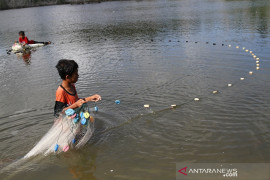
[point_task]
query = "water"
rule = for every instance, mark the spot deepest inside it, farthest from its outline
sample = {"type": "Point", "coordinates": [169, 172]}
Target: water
{"type": "Point", "coordinates": [137, 52]}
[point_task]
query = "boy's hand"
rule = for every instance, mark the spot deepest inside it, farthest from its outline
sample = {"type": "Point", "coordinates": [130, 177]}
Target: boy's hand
{"type": "Point", "coordinates": [96, 98]}
{"type": "Point", "coordinates": [80, 102]}
{"type": "Point", "coordinates": [77, 104]}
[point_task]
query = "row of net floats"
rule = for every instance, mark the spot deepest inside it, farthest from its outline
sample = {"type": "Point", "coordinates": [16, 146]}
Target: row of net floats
{"type": "Point", "coordinates": [257, 59]}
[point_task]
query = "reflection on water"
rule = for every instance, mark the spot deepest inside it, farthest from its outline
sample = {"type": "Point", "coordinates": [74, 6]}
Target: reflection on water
{"type": "Point", "coordinates": [152, 52]}
{"type": "Point", "coordinates": [25, 56]}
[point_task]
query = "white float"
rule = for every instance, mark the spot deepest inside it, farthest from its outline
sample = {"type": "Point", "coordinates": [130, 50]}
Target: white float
{"type": "Point", "coordinates": [173, 106]}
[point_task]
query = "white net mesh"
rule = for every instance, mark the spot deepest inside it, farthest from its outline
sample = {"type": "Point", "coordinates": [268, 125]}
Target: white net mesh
{"type": "Point", "coordinates": [66, 132]}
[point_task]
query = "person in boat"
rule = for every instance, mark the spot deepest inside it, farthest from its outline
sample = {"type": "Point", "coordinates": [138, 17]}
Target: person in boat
{"type": "Point", "coordinates": [24, 40]}
{"type": "Point", "coordinates": [66, 94]}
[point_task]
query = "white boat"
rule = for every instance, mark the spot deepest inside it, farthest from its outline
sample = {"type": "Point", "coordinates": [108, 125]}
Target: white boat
{"type": "Point", "coordinates": [16, 47]}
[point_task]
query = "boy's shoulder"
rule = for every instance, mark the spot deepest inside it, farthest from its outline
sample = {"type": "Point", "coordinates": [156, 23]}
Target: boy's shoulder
{"type": "Point", "coordinates": [60, 94]}
{"type": "Point", "coordinates": [60, 90]}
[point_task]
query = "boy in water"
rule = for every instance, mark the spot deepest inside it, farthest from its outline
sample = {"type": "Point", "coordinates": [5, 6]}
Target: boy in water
{"type": "Point", "coordinates": [24, 40]}
{"type": "Point", "coordinates": [66, 94]}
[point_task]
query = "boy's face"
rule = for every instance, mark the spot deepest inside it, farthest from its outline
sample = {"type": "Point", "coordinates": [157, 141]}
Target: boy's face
{"type": "Point", "coordinates": [74, 77]}
{"type": "Point", "coordinates": [21, 36]}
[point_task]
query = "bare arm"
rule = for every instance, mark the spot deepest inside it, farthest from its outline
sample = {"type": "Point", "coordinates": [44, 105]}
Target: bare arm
{"type": "Point", "coordinates": [94, 98]}
{"type": "Point", "coordinates": [75, 105]}
{"type": "Point", "coordinates": [80, 102]}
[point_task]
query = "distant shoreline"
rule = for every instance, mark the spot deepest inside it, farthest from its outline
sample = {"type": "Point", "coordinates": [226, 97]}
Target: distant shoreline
{"type": "Point", "coordinates": [18, 4]}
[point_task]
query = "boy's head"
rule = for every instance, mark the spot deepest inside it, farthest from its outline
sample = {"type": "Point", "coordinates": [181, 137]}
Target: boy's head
{"type": "Point", "coordinates": [68, 70]}
{"type": "Point", "coordinates": [21, 34]}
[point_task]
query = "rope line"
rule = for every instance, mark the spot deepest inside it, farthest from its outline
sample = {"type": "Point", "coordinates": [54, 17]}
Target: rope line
{"type": "Point", "coordinates": [164, 108]}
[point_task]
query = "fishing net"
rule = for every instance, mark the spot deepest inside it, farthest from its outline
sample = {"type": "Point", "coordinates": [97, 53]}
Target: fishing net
{"type": "Point", "coordinates": [72, 129]}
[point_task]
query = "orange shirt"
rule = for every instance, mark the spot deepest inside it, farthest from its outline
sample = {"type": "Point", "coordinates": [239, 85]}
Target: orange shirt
{"type": "Point", "coordinates": [62, 95]}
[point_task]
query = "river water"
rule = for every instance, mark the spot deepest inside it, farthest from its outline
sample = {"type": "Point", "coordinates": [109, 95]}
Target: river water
{"type": "Point", "coordinates": [140, 52]}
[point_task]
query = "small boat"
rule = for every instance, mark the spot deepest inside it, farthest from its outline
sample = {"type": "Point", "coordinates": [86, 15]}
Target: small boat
{"type": "Point", "coordinates": [16, 47]}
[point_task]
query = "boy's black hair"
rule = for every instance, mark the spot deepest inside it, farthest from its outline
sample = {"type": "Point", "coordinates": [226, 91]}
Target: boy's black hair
{"type": "Point", "coordinates": [66, 67]}
{"type": "Point", "coordinates": [21, 33]}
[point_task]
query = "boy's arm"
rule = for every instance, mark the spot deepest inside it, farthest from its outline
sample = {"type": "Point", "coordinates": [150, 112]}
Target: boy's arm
{"type": "Point", "coordinates": [60, 107]}
{"type": "Point", "coordinates": [95, 98]}
{"type": "Point", "coordinates": [75, 105]}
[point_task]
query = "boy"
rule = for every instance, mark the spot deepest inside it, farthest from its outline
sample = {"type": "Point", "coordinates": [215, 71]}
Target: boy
{"type": "Point", "coordinates": [66, 94]}
{"type": "Point", "coordinates": [24, 40]}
